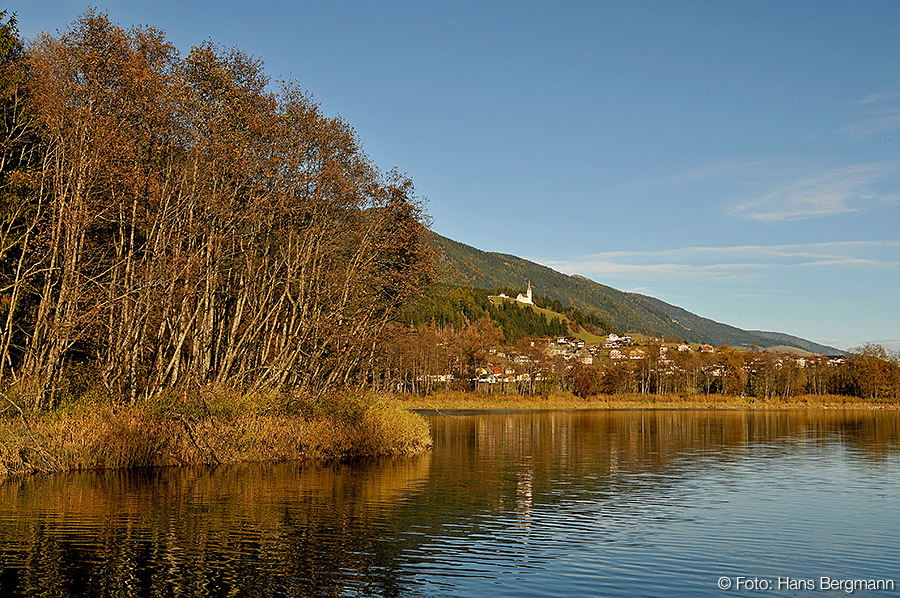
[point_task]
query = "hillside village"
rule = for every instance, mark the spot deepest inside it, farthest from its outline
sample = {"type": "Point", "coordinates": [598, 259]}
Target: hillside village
{"type": "Point", "coordinates": [573, 352]}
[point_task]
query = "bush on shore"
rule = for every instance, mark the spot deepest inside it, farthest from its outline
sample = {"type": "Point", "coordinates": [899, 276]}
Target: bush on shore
{"type": "Point", "coordinates": [206, 428]}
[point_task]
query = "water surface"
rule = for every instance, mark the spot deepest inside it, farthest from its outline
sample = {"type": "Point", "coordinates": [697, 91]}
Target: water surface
{"type": "Point", "coordinates": [599, 503]}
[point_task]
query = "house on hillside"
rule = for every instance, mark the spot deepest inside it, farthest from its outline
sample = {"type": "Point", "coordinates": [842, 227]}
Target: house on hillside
{"type": "Point", "coordinates": [555, 350]}
{"type": "Point", "coordinates": [706, 348]}
{"type": "Point", "coordinates": [585, 357]}
{"type": "Point", "coordinates": [614, 340]}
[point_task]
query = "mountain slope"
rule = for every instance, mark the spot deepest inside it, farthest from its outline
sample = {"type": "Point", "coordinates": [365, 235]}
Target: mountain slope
{"type": "Point", "coordinates": [730, 335]}
{"type": "Point", "coordinates": [795, 341]}
{"type": "Point", "coordinates": [626, 312]}
{"type": "Point", "coordinates": [486, 270]}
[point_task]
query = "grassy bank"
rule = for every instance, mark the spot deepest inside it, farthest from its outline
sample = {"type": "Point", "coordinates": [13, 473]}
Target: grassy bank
{"type": "Point", "coordinates": [474, 401]}
{"type": "Point", "coordinates": [207, 428]}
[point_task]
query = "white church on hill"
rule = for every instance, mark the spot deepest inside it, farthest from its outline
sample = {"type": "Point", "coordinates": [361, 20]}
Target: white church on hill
{"type": "Point", "coordinates": [526, 298]}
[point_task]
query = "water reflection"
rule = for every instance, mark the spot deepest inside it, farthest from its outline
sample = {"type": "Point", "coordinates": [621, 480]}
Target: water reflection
{"type": "Point", "coordinates": [261, 530]}
{"type": "Point", "coordinates": [562, 503]}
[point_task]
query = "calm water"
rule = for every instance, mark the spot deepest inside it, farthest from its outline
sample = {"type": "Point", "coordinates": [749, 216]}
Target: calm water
{"type": "Point", "coordinates": [621, 503]}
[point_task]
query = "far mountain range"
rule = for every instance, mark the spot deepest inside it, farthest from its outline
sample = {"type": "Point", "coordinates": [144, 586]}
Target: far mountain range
{"type": "Point", "coordinates": [628, 312]}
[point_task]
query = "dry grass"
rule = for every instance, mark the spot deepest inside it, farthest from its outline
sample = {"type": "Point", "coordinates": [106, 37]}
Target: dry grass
{"type": "Point", "coordinates": [214, 428]}
{"type": "Point", "coordinates": [450, 401]}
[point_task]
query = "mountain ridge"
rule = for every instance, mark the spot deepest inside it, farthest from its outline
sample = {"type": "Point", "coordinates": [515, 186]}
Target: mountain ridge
{"type": "Point", "coordinates": [626, 312]}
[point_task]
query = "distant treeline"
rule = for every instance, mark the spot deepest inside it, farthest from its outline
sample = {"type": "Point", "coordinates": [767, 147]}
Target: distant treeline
{"type": "Point", "coordinates": [168, 222]}
{"type": "Point", "coordinates": [869, 372]}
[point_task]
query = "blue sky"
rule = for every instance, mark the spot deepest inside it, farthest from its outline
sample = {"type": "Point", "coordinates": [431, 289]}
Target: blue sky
{"type": "Point", "coordinates": [738, 159]}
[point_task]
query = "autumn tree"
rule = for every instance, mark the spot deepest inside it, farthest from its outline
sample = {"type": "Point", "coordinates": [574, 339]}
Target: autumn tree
{"type": "Point", "coordinates": [197, 228]}
{"type": "Point", "coordinates": [472, 346]}
{"type": "Point", "coordinates": [587, 380]}
{"type": "Point", "coordinates": [873, 373]}
{"type": "Point", "coordinates": [731, 367]}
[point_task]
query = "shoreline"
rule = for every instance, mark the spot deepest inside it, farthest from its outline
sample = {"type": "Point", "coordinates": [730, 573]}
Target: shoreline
{"type": "Point", "coordinates": [472, 402]}
{"type": "Point", "coordinates": [221, 428]}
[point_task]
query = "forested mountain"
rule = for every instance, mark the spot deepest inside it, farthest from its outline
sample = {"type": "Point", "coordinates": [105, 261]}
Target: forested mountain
{"type": "Point", "coordinates": [624, 312]}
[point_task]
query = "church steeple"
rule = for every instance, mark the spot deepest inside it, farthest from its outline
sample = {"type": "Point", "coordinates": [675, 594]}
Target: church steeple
{"type": "Point", "coordinates": [527, 297]}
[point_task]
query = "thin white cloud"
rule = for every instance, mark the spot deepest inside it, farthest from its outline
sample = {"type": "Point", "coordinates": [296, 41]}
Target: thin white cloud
{"type": "Point", "coordinates": [873, 125]}
{"type": "Point", "coordinates": [732, 261]}
{"type": "Point", "coordinates": [823, 249]}
{"type": "Point", "coordinates": [876, 98]}
{"type": "Point", "coordinates": [827, 193]}
{"type": "Point", "coordinates": [849, 261]}
{"type": "Point", "coordinates": [880, 113]}
{"type": "Point", "coordinates": [721, 171]}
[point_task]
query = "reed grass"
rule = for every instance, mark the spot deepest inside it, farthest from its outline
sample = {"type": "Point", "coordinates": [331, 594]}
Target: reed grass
{"type": "Point", "coordinates": [213, 427]}
{"type": "Point", "coordinates": [469, 401]}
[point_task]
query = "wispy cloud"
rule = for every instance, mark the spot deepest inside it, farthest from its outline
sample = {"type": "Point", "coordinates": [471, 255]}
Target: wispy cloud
{"type": "Point", "coordinates": [722, 171]}
{"type": "Point", "coordinates": [827, 193]}
{"type": "Point", "coordinates": [879, 113]}
{"type": "Point", "coordinates": [873, 125]}
{"type": "Point", "coordinates": [777, 189]}
{"type": "Point", "coordinates": [732, 261]}
{"type": "Point", "coordinates": [878, 97]}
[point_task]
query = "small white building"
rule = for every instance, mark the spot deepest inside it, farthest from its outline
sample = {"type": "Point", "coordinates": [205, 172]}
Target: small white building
{"type": "Point", "coordinates": [585, 357]}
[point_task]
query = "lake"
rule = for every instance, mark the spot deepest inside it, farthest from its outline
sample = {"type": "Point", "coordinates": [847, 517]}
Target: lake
{"type": "Point", "coordinates": [574, 503]}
